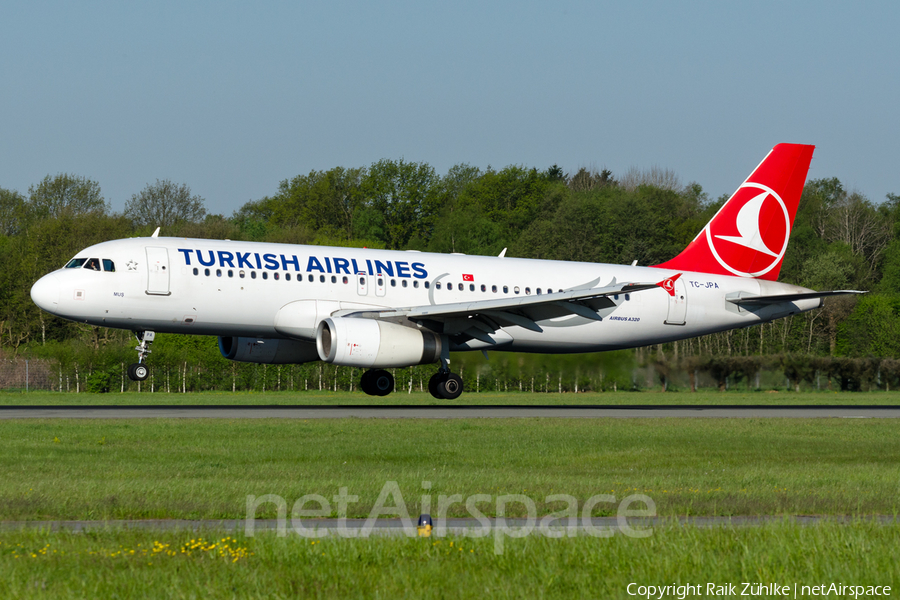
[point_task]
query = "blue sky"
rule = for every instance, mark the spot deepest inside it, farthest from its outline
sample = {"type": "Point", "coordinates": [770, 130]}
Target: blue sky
{"type": "Point", "coordinates": [231, 98]}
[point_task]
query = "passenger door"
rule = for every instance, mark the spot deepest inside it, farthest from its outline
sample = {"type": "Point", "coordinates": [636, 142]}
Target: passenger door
{"type": "Point", "coordinates": [157, 271]}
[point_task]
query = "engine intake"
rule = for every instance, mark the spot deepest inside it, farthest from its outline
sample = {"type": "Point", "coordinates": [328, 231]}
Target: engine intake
{"type": "Point", "coordinates": [267, 351]}
{"type": "Point", "coordinates": [358, 342]}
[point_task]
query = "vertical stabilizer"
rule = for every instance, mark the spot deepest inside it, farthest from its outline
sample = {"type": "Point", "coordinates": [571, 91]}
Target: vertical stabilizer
{"type": "Point", "coordinates": [749, 235]}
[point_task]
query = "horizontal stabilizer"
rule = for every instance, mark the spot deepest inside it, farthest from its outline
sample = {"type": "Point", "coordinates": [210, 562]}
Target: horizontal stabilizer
{"type": "Point", "coordinates": [781, 298]}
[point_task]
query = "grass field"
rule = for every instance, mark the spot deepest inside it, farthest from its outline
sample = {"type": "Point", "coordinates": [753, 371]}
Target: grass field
{"type": "Point", "coordinates": [138, 564]}
{"type": "Point", "coordinates": [120, 469]}
{"type": "Point", "coordinates": [419, 398]}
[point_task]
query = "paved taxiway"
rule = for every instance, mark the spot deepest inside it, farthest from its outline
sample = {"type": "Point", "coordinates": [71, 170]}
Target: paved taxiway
{"type": "Point", "coordinates": [446, 412]}
{"type": "Point", "coordinates": [355, 527]}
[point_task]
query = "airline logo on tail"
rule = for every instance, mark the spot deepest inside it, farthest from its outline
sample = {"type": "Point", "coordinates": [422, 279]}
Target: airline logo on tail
{"type": "Point", "coordinates": [763, 225]}
{"type": "Point", "coordinates": [749, 235]}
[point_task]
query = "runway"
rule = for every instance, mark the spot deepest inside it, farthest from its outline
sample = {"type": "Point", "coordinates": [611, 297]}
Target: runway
{"type": "Point", "coordinates": [449, 412]}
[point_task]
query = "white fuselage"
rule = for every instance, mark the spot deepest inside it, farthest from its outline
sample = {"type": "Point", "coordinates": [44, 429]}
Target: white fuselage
{"type": "Point", "coordinates": [231, 288]}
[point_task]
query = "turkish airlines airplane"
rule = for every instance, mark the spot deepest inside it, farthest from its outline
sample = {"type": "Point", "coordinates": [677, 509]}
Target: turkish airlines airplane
{"type": "Point", "coordinates": [281, 303]}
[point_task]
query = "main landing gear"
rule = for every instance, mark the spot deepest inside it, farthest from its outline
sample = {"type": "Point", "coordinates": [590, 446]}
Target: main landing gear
{"type": "Point", "coordinates": [377, 382]}
{"type": "Point", "coordinates": [443, 385]}
{"type": "Point", "coordinates": [139, 371]}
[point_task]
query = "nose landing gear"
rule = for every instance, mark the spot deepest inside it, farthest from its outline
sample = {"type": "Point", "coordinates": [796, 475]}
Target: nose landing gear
{"type": "Point", "coordinates": [140, 371]}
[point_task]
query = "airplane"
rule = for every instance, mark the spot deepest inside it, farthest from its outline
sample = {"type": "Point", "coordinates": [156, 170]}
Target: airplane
{"type": "Point", "coordinates": [375, 309]}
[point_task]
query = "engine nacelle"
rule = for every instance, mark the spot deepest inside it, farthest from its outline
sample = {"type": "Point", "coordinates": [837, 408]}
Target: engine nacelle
{"type": "Point", "coordinates": [356, 342]}
{"type": "Point", "coordinates": [267, 351]}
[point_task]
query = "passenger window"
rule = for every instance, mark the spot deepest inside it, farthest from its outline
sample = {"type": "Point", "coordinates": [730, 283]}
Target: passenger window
{"type": "Point", "coordinates": [538, 291]}
{"type": "Point", "coordinates": [345, 279]}
{"type": "Point", "coordinates": [528, 291]}
{"type": "Point", "coordinates": [196, 271]}
{"type": "Point", "coordinates": [471, 287]}
{"type": "Point", "coordinates": [240, 274]}
{"type": "Point", "coordinates": [505, 289]}
{"type": "Point", "coordinates": [333, 279]}
{"type": "Point", "coordinates": [277, 276]}
{"type": "Point", "coordinates": [321, 279]}
{"type": "Point", "coordinates": [405, 283]}
{"type": "Point", "coordinates": [393, 283]}
{"type": "Point", "coordinates": [109, 266]}
{"type": "Point", "coordinates": [218, 272]}
{"type": "Point", "coordinates": [265, 275]}
{"type": "Point", "coordinates": [516, 289]}
{"type": "Point", "coordinates": [287, 276]}
{"type": "Point", "coordinates": [380, 281]}
{"type": "Point", "coordinates": [252, 274]}
{"type": "Point", "coordinates": [230, 273]}
{"type": "Point", "coordinates": [75, 263]}
{"type": "Point", "coordinates": [362, 281]}
{"type": "Point", "coordinates": [460, 287]}
{"type": "Point", "coordinates": [427, 285]}
{"type": "Point", "coordinates": [494, 288]}
{"type": "Point", "coordinates": [206, 272]}
{"type": "Point", "coordinates": [93, 264]}
{"type": "Point", "coordinates": [311, 279]}
{"type": "Point", "coordinates": [437, 285]}
{"type": "Point", "coordinates": [483, 288]}
{"type": "Point", "coordinates": [415, 284]}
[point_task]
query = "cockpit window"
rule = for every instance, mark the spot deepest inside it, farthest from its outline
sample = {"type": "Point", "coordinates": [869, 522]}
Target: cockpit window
{"type": "Point", "coordinates": [93, 264]}
{"type": "Point", "coordinates": [75, 263]}
{"type": "Point", "coordinates": [109, 265]}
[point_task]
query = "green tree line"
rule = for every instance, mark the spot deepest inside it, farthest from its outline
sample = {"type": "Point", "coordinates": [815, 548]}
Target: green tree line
{"type": "Point", "coordinates": [840, 240]}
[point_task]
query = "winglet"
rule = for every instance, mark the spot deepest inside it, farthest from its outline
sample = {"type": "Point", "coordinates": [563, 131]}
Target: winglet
{"type": "Point", "coordinates": [669, 284]}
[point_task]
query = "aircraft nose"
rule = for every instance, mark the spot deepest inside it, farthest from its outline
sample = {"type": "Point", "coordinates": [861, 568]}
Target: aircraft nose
{"type": "Point", "coordinates": [45, 293]}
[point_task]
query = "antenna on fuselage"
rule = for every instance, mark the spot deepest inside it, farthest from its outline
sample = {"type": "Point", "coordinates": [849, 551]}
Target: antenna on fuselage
{"type": "Point", "coordinates": [502, 254]}
{"type": "Point", "coordinates": [155, 233]}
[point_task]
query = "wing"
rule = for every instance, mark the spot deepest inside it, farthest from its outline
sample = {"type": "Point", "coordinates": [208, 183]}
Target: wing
{"type": "Point", "coordinates": [480, 318]}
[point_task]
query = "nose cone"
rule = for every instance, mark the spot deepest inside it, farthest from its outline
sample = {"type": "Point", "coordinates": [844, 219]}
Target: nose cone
{"type": "Point", "coordinates": [45, 293]}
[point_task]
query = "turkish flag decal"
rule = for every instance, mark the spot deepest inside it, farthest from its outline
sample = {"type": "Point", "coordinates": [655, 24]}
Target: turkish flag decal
{"type": "Point", "coordinates": [468, 277]}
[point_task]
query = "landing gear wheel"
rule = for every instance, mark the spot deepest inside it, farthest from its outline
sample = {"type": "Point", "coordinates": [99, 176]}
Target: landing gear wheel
{"type": "Point", "coordinates": [382, 382]}
{"type": "Point", "coordinates": [377, 382]}
{"type": "Point", "coordinates": [445, 386]}
{"type": "Point", "coordinates": [434, 382]}
{"type": "Point", "coordinates": [451, 387]}
{"type": "Point", "coordinates": [138, 372]}
{"type": "Point", "coordinates": [365, 383]}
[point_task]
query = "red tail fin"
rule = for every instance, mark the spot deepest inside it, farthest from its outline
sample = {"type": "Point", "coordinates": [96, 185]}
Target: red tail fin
{"type": "Point", "coordinates": [749, 234]}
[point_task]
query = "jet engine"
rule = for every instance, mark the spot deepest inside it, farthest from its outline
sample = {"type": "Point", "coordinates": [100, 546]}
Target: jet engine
{"type": "Point", "coordinates": [267, 351]}
{"type": "Point", "coordinates": [358, 342]}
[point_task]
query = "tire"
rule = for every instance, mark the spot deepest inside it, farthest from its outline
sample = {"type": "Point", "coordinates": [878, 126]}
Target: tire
{"type": "Point", "coordinates": [433, 384]}
{"type": "Point", "coordinates": [451, 388]}
{"type": "Point", "coordinates": [138, 372]}
{"type": "Point", "coordinates": [365, 383]}
{"type": "Point", "coordinates": [382, 382]}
